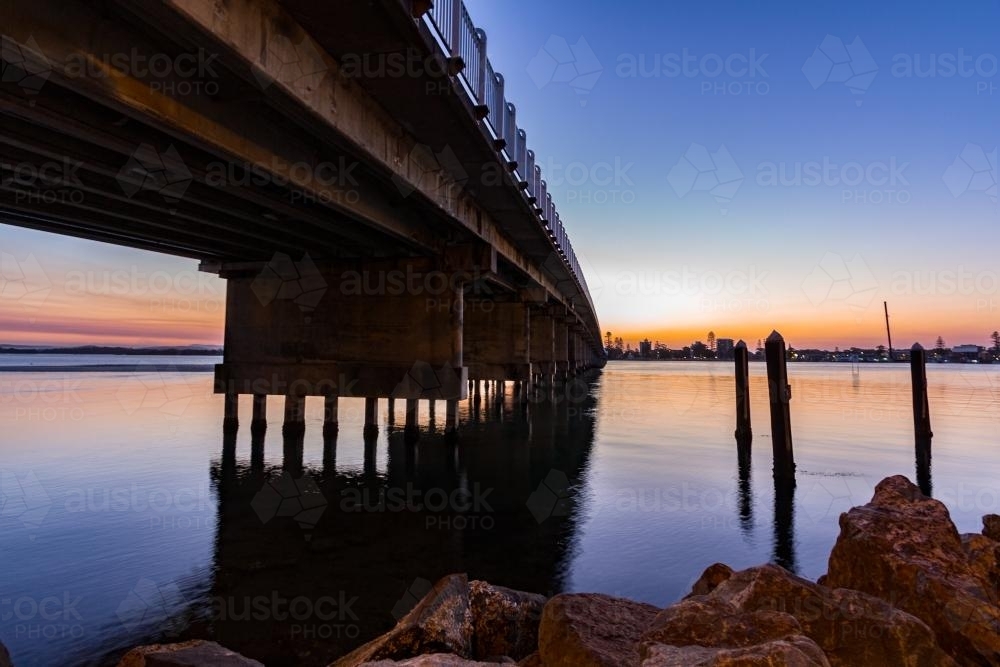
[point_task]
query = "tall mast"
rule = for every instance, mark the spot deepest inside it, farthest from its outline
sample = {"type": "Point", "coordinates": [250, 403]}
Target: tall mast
{"type": "Point", "coordinates": [885, 305]}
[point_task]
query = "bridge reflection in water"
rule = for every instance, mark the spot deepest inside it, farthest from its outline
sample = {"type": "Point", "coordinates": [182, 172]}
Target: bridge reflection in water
{"type": "Point", "coordinates": [495, 503]}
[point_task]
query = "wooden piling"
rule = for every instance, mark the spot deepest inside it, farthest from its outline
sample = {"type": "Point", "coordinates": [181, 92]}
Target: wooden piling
{"type": "Point", "coordinates": [780, 396]}
{"type": "Point", "coordinates": [744, 434]}
{"type": "Point", "coordinates": [921, 416]}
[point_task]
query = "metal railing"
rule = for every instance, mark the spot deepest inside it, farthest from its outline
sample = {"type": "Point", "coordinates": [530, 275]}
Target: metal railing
{"type": "Point", "coordinates": [465, 46]}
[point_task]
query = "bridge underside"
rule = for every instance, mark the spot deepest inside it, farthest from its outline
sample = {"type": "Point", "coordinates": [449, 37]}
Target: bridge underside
{"type": "Point", "coordinates": [289, 189]}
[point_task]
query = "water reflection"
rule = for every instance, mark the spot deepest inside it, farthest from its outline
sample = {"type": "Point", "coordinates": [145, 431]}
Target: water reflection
{"type": "Point", "coordinates": [784, 525]}
{"type": "Point", "coordinates": [439, 506]}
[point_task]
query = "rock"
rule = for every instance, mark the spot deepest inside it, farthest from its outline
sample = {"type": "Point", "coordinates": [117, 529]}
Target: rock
{"type": "Point", "coordinates": [592, 630]}
{"type": "Point", "coordinates": [440, 623]}
{"type": "Point", "coordinates": [432, 660]}
{"type": "Point", "coordinates": [4, 656]}
{"type": "Point", "coordinates": [903, 547]}
{"type": "Point", "coordinates": [851, 627]}
{"type": "Point", "coordinates": [714, 622]}
{"type": "Point", "coordinates": [196, 653]}
{"type": "Point", "coordinates": [991, 527]}
{"type": "Point", "coordinates": [984, 557]}
{"type": "Point", "coordinates": [533, 660]}
{"type": "Point", "coordinates": [504, 621]}
{"type": "Point", "coordinates": [792, 652]}
{"type": "Point", "coordinates": [710, 579]}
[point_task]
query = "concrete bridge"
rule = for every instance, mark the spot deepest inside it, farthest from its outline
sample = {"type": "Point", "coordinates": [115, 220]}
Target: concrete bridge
{"type": "Point", "coordinates": [352, 169]}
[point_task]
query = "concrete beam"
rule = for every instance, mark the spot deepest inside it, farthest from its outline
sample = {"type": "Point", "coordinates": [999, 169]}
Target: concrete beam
{"type": "Point", "coordinates": [497, 337]}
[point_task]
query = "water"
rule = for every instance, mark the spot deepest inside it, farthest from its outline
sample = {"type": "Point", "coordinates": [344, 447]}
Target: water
{"type": "Point", "coordinates": [127, 519]}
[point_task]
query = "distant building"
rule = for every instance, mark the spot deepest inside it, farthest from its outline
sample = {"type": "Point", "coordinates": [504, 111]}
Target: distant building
{"type": "Point", "coordinates": [645, 349]}
{"type": "Point", "coordinates": [724, 348]}
{"type": "Point", "coordinates": [967, 352]}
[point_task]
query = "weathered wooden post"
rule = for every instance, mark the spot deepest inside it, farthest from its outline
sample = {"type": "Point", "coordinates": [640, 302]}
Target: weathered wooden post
{"type": "Point", "coordinates": [780, 395]}
{"type": "Point", "coordinates": [921, 417]}
{"type": "Point", "coordinates": [744, 434]}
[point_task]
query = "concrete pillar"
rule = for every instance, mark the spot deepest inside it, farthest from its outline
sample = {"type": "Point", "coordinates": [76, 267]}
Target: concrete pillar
{"type": "Point", "coordinates": [371, 416]}
{"type": "Point", "coordinates": [331, 414]}
{"type": "Point", "coordinates": [231, 410]}
{"type": "Point", "coordinates": [336, 333]}
{"type": "Point", "coordinates": [259, 421]}
{"type": "Point", "coordinates": [543, 341]}
{"type": "Point", "coordinates": [294, 423]}
{"type": "Point", "coordinates": [412, 429]}
{"type": "Point", "coordinates": [451, 417]}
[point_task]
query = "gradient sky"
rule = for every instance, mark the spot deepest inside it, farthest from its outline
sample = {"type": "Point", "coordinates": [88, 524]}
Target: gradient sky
{"type": "Point", "coordinates": [665, 257]}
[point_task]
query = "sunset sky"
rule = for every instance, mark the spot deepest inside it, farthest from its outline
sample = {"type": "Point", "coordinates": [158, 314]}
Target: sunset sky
{"type": "Point", "coordinates": [853, 162]}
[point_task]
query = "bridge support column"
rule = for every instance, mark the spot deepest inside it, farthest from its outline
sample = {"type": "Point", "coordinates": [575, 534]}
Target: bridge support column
{"type": "Point", "coordinates": [543, 343]}
{"type": "Point", "coordinates": [412, 429]}
{"type": "Point", "coordinates": [562, 346]}
{"type": "Point", "coordinates": [231, 419]}
{"type": "Point", "coordinates": [294, 415]}
{"type": "Point", "coordinates": [371, 417]}
{"type": "Point", "coordinates": [496, 340]}
{"type": "Point", "coordinates": [331, 414]}
{"type": "Point", "coordinates": [367, 329]}
{"type": "Point", "coordinates": [259, 420]}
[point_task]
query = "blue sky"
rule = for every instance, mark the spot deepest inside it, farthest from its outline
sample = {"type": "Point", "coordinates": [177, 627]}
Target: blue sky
{"type": "Point", "coordinates": [911, 228]}
{"type": "Point", "coordinates": [897, 215]}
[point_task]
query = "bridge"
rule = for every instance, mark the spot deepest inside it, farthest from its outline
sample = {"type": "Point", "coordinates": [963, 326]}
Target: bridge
{"type": "Point", "coordinates": [352, 169]}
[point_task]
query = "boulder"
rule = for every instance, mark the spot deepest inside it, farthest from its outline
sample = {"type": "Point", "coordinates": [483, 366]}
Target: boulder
{"type": "Point", "coordinates": [592, 630]}
{"type": "Point", "coordinates": [903, 547]}
{"type": "Point", "coordinates": [440, 623]}
{"type": "Point", "coordinates": [710, 579]}
{"type": "Point", "coordinates": [984, 557]}
{"type": "Point", "coordinates": [196, 653]}
{"type": "Point", "coordinates": [714, 622]}
{"type": "Point", "coordinates": [431, 660]}
{"type": "Point", "coordinates": [791, 652]}
{"type": "Point", "coordinates": [991, 527]}
{"type": "Point", "coordinates": [851, 627]}
{"type": "Point", "coordinates": [504, 621]}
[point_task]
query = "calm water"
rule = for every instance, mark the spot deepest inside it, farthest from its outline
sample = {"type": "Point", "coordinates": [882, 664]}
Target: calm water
{"type": "Point", "coordinates": [126, 518]}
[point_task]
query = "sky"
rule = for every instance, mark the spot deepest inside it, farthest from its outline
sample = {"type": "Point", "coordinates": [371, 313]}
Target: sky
{"type": "Point", "coordinates": [728, 166]}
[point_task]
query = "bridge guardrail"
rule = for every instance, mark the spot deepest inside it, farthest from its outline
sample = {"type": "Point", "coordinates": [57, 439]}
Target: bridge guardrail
{"type": "Point", "coordinates": [465, 46]}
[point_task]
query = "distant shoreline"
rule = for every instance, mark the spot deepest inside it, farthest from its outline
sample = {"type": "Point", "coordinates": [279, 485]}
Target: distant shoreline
{"type": "Point", "coordinates": [112, 368]}
{"type": "Point", "coordinates": [115, 351]}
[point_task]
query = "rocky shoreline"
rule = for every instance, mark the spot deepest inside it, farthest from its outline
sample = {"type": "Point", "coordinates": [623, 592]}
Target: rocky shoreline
{"type": "Point", "coordinates": [903, 587]}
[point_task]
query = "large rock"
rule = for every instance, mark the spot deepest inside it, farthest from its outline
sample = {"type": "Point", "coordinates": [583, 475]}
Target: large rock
{"type": "Point", "coordinates": [903, 547]}
{"type": "Point", "coordinates": [440, 623]}
{"type": "Point", "coordinates": [196, 653]}
{"type": "Point", "coordinates": [851, 627]}
{"type": "Point", "coordinates": [991, 527]}
{"type": "Point", "coordinates": [984, 557]}
{"type": "Point", "coordinates": [714, 622]}
{"type": "Point", "coordinates": [710, 579]}
{"type": "Point", "coordinates": [504, 621]}
{"type": "Point", "coordinates": [791, 652]}
{"type": "Point", "coordinates": [592, 630]}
